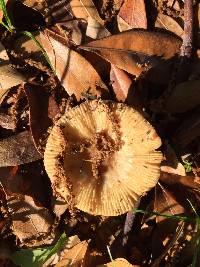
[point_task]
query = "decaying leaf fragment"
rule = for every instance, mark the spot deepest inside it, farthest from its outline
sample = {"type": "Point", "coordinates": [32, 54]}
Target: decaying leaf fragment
{"type": "Point", "coordinates": [9, 77]}
{"type": "Point", "coordinates": [75, 73]}
{"type": "Point", "coordinates": [136, 50]}
{"type": "Point", "coordinates": [107, 165]}
{"type": "Point", "coordinates": [18, 149]}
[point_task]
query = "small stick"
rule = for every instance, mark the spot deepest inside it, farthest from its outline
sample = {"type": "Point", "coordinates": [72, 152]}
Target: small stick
{"type": "Point", "coordinates": [187, 45]}
{"type": "Point", "coordinates": [186, 48]}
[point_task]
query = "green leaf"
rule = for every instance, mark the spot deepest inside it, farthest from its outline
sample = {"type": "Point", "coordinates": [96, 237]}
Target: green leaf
{"type": "Point", "coordinates": [5, 13]}
{"type": "Point", "coordinates": [37, 257]}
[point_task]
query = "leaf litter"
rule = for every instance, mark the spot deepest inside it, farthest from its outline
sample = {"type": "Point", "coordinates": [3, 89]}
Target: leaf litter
{"type": "Point", "coordinates": [142, 55]}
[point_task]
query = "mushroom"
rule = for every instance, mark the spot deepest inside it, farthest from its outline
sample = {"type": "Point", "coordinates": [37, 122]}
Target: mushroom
{"type": "Point", "coordinates": [119, 262]}
{"type": "Point", "coordinates": [101, 155]}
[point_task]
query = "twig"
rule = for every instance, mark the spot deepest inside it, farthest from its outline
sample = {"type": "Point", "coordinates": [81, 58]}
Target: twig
{"type": "Point", "coordinates": [128, 224]}
{"type": "Point", "coordinates": [186, 48]}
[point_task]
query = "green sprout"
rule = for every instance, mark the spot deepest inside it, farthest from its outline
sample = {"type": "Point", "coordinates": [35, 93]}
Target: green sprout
{"type": "Point", "coordinates": [187, 165]}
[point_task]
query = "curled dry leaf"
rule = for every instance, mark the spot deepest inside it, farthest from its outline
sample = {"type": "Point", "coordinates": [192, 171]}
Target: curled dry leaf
{"type": "Point", "coordinates": [133, 13]}
{"type": "Point", "coordinates": [136, 50]}
{"type": "Point", "coordinates": [185, 96]}
{"type": "Point", "coordinates": [75, 73]}
{"type": "Point", "coordinates": [120, 262]}
{"type": "Point", "coordinates": [9, 77]}
{"type": "Point", "coordinates": [168, 23]}
{"type": "Point", "coordinates": [89, 141]}
{"type": "Point", "coordinates": [121, 83]}
{"type": "Point", "coordinates": [18, 149]}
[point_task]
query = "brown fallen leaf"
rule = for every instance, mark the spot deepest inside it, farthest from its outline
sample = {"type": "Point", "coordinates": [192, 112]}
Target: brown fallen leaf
{"type": "Point", "coordinates": [75, 73]}
{"type": "Point", "coordinates": [18, 149]}
{"type": "Point", "coordinates": [133, 12]}
{"type": "Point", "coordinates": [30, 222]}
{"type": "Point", "coordinates": [121, 83]}
{"type": "Point", "coordinates": [166, 22]}
{"type": "Point", "coordinates": [185, 96]}
{"type": "Point", "coordinates": [136, 50]}
{"type": "Point", "coordinates": [25, 194]}
{"type": "Point", "coordinates": [74, 256]}
{"type": "Point", "coordinates": [188, 130]}
{"type": "Point", "coordinates": [91, 10]}
{"type": "Point", "coordinates": [9, 77]}
{"type": "Point", "coordinates": [42, 111]}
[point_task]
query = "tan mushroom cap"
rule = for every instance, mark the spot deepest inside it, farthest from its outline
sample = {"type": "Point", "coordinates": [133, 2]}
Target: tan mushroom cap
{"type": "Point", "coordinates": [120, 262]}
{"type": "Point", "coordinates": [109, 158]}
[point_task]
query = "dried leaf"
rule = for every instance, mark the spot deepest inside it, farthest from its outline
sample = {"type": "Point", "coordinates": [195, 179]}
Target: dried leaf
{"type": "Point", "coordinates": [95, 30]}
{"type": "Point", "coordinates": [133, 12]}
{"type": "Point", "coordinates": [122, 24]}
{"type": "Point", "coordinates": [30, 222]}
{"type": "Point", "coordinates": [91, 10]}
{"type": "Point", "coordinates": [18, 149]}
{"type": "Point", "coordinates": [75, 73]}
{"type": "Point", "coordinates": [136, 50]}
{"type": "Point", "coordinates": [121, 83]}
{"type": "Point", "coordinates": [83, 9]}
{"type": "Point", "coordinates": [43, 110]}
{"type": "Point", "coordinates": [9, 77]}
{"type": "Point", "coordinates": [74, 256]}
{"type": "Point", "coordinates": [185, 96]}
{"type": "Point", "coordinates": [188, 130]}
{"type": "Point", "coordinates": [168, 23]}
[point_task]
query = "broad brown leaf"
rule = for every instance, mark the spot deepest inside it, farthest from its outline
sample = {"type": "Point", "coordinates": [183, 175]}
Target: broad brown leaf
{"type": "Point", "coordinates": [18, 149]}
{"type": "Point", "coordinates": [75, 73]}
{"type": "Point", "coordinates": [185, 96]}
{"type": "Point", "coordinates": [136, 50]}
{"type": "Point", "coordinates": [133, 12]}
{"type": "Point", "coordinates": [168, 23]}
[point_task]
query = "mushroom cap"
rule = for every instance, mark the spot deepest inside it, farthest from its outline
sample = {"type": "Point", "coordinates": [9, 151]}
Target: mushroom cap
{"type": "Point", "coordinates": [119, 262]}
{"type": "Point", "coordinates": [109, 157]}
